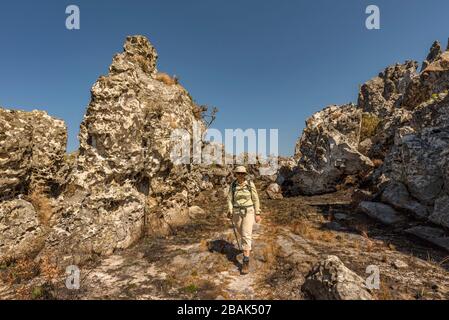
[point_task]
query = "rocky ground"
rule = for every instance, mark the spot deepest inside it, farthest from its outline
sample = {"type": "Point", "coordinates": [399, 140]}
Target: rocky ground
{"type": "Point", "coordinates": [200, 261]}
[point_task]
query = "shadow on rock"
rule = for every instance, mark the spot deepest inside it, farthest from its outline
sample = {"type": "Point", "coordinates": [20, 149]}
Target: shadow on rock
{"type": "Point", "coordinates": [225, 248]}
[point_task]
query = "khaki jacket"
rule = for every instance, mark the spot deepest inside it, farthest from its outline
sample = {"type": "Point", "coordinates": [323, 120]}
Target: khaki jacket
{"type": "Point", "coordinates": [243, 197]}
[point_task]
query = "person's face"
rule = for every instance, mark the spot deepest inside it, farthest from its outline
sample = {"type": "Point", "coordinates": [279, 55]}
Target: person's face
{"type": "Point", "coordinates": [240, 176]}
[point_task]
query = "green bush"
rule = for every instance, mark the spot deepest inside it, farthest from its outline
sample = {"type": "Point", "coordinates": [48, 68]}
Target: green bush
{"type": "Point", "coordinates": [370, 123]}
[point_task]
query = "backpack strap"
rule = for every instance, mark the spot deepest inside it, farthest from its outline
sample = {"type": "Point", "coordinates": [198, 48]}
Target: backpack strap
{"type": "Point", "coordinates": [233, 186]}
{"type": "Point", "coordinates": [248, 185]}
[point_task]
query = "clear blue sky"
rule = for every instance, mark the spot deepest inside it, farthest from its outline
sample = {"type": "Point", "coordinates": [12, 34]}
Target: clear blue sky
{"type": "Point", "coordinates": [264, 64]}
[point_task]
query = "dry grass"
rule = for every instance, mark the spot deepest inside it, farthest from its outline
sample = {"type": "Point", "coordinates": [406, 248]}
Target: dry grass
{"type": "Point", "coordinates": [444, 261]}
{"type": "Point", "coordinates": [270, 253]}
{"type": "Point", "coordinates": [42, 204]}
{"type": "Point", "coordinates": [309, 232]}
{"type": "Point", "coordinates": [384, 292]}
{"type": "Point", "coordinates": [165, 78]}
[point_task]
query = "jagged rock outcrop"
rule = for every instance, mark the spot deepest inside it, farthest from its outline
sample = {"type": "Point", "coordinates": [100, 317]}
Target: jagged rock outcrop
{"type": "Point", "coordinates": [401, 125]}
{"type": "Point", "coordinates": [328, 150]}
{"type": "Point", "coordinates": [434, 54]}
{"type": "Point", "coordinates": [32, 150]}
{"type": "Point", "coordinates": [330, 279]}
{"type": "Point", "coordinates": [125, 183]}
{"type": "Point", "coordinates": [385, 92]}
{"type": "Point", "coordinates": [419, 160]}
{"type": "Point", "coordinates": [432, 80]}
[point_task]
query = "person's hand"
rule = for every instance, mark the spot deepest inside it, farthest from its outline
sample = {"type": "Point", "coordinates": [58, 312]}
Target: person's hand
{"type": "Point", "coordinates": [258, 218]}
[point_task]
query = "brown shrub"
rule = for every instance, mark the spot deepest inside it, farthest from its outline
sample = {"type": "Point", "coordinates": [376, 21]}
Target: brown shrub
{"type": "Point", "coordinates": [49, 269]}
{"type": "Point", "coordinates": [42, 204]}
{"type": "Point", "coordinates": [19, 271]}
{"type": "Point", "coordinates": [165, 78]}
{"type": "Point", "coordinates": [377, 163]}
{"type": "Point", "coordinates": [198, 111]}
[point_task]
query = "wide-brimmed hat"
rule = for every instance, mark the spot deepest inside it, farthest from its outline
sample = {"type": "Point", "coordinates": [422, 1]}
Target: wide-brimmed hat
{"type": "Point", "coordinates": [240, 169]}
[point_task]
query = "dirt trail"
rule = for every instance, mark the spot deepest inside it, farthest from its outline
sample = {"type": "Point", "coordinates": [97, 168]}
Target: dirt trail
{"type": "Point", "coordinates": [201, 261]}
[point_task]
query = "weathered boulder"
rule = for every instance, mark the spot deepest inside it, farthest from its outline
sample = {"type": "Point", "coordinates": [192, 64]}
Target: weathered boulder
{"type": "Point", "coordinates": [195, 211]}
{"type": "Point", "coordinates": [379, 211]}
{"type": "Point", "coordinates": [397, 195]}
{"type": "Point", "coordinates": [330, 279]}
{"type": "Point", "coordinates": [32, 150]}
{"type": "Point", "coordinates": [21, 233]}
{"type": "Point", "coordinates": [433, 235]}
{"type": "Point", "coordinates": [328, 150]}
{"type": "Point", "coordinates": [418, 160]}
{"type": "Point", "coordinates": [440, 213]}
{"type": "Point", "coordinates": [274, 191]}
{"type": "Point", "coordinates": [97, 222]}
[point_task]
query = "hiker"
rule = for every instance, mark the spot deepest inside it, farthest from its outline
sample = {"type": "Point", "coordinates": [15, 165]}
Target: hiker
{"type": "Point", "coordinates": [244, 210]}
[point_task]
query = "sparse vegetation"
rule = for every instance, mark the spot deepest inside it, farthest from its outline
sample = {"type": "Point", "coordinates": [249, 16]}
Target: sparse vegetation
{"type": "Point", "coordinates": [369, 125]}
{"type": "Point", "coordinates": [17, 271]}
{"type": "Point", "coordinates": [199, 113]}
{"type": "Point", "coordinates": [191, 288]}
{"type": "Point", "coordinates": [42, 204]}
{"type": "Point", "coordinates": [377, 163]}
{"type": "Point", "coordinates": [167, 79]}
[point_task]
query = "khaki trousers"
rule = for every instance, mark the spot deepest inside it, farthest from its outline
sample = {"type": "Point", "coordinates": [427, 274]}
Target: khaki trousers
{"type": "Point", "coordinates": [244, 225]}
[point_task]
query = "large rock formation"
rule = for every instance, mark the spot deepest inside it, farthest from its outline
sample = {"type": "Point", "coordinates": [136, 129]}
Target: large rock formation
{"type": "Point", "coordinates": [125, 183]}
{"type": "Point", "coordinates": [32, 150]}
{"type": "Point", "coordinates": [327, 150]}
{"type": "Point", "coordinates": [401, 124]}
{"type": "Point", "coordinates": [382, 94]}
{"type": "Point", "coordinates": [419, 160]}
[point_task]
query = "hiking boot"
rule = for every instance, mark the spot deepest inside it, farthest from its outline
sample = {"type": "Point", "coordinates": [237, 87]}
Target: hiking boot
{"type": "Point", "coordinates": [245, 266]}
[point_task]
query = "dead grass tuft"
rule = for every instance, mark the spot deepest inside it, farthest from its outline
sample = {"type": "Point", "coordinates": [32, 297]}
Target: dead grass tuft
{"type": "Point", "coordinates": [384, 292]}
{"type": "Point", "coordinates": [165, 78]}
{"type": "Point", "coordinates": [309, 232]}
{"type": "Point", "coordinates": [42, 204]}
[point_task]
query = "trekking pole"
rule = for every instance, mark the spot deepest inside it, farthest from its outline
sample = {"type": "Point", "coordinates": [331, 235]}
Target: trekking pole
{"type": "Point", "coordinates": [235, 235]}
